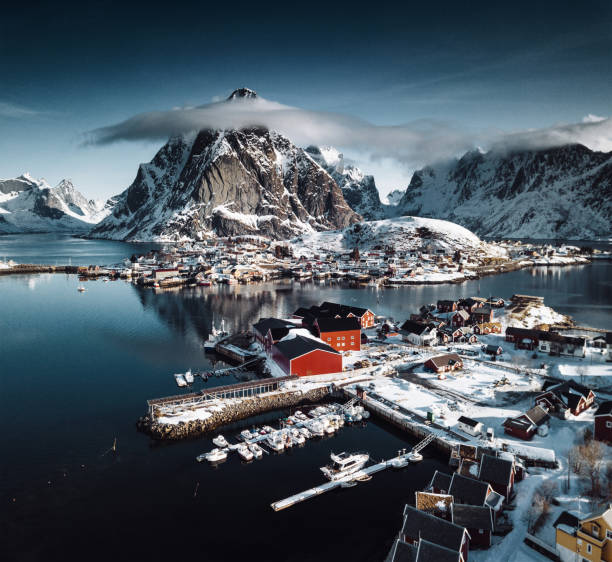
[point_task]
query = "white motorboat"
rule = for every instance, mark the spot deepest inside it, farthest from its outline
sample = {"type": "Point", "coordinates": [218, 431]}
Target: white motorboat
{"type": "Point", "coordinates": [304, 431]}
{"type": "Point", "coordinates": [220, 441]}
{"type": "Point", "coordinates": [81, 289]}
{"type": "Point", "coordinates": [246, 435]}
{"type": "Point", "coordinates": [267, 429]}
{"type": "Point", "coordinates": [298, 437]}
{"type": "Point", "coordinates": [275, 442]}
{"type": "Point", "coordinates": [256, 450]}
{"type": "Point", "coordinates": [215, 455]}
{"type": "Point", "coordinates": [245, 452]}
{"type": "Point", "coordinates": [344, 464]}
{"type": "Point", "coordinates": [189, 377]}
{"type": "Point", "coordinates": [317, 428]}
{"type": "Point", "coordinates": [180, 379]}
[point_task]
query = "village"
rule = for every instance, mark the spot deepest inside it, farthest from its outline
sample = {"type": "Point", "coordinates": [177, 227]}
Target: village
{"type": "Point", "coordinates": [515, 395]}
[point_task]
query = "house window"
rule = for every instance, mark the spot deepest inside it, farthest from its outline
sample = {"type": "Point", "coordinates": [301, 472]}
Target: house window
{"type": "Point", "coordinates": [595, 530]}
{"type": "Point", "coordinates": [328, 339]}
{"type": "Point", "coordinates": [609, 424]}
{"type": "Point", "coordinates": [609, 535]}
{"type": "Point", "coordinates": [352, 337]}
{"type": "Point", "coordinates": [481, 531]}
{"type": "Point", "coordinates": [343, 337]}
{"type": "Point", "coordinates": [589, 548]}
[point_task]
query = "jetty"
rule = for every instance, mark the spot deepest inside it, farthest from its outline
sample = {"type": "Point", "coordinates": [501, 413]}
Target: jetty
{"type": "Point", "coordinates": [363, 474]}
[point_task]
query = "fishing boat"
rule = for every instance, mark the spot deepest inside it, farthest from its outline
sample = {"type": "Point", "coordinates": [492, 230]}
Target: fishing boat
{"type": "Point", "coordinates": [189, 377]}
{"type": "Point", "coordinates": [215, 455]}
{"type": "Point", "coordinates": [81, 289]}
{"type": "Point", "coordinates": [256, 450]}
{"type": "Point", "coordinates": [275, 442]}
{"type": "Point", "coordinates": [244, 452]}
{"type": "Point", "coordinates": [220, 441]}
{"type": "Point", "coordinates": [215, 337]}
{"type": "Point", "coordinates": [344, 464]}
{"type": "Point", "coordinates": [246, 435]}
{"type": "Point", "coordinates": [180, 379]}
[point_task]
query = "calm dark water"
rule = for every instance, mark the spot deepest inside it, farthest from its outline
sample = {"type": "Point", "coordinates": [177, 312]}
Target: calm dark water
{"type": "Point", "coordinates": [76, 369]}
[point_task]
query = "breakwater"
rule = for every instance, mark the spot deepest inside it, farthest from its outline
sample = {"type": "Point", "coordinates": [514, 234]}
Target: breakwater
{"type": "Point", "coordinates": [233, 411]}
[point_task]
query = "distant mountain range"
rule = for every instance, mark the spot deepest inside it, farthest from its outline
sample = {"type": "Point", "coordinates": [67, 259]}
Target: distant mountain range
{"type": "Point", "coordinates": [563, 192]}
{"type": "Point", "coordinates": [31, 205]}
{"type": "Point", "coordinates": [256, 181]}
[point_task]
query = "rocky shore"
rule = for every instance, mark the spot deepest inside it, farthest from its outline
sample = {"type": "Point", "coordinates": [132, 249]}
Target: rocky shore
{"type": "Point", "coordinates": [246, 408]}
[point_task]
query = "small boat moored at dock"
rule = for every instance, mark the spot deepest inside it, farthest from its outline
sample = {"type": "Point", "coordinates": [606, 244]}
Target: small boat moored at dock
{"type": "Point", "coordinates": [215, 455]}
{"type": "Point", "coordinates": [220, 441]}
{"type": "Point", "coordinates": [256, 450]}
{"type": "Point", "coordinates": [344, 464]}
{"type": "Point", "coordinates": [245, 452]}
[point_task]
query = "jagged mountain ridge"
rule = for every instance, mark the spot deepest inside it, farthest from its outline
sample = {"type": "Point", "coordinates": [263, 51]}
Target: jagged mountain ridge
{"type": "Point", "coordinates": [31, 205]}
{"type": "Point", "coordinates": [562, 192]}
{"type": "Point", "coordinates": [234, 182]}
{"type": "Point", "coordinates": [359, 189]}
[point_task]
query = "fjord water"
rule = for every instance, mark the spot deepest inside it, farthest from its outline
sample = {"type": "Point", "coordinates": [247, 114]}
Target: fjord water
{"type": "Point", "coordinates": [76, 370]}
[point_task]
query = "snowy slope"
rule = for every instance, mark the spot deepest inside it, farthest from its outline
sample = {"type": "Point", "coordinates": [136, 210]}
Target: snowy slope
{"type": "Point", "coordinates": [395, 196]}
{"type": "Point", "coordinates": [31, 205]}
{"type": "Point", "coordinates": [560, 192]}
{"type": "Point", "coordinates": [359, 189]}
{"type": "Point", "coordinates": [227, 183]}
{"type": "Point", "coordinates": [403, 233]}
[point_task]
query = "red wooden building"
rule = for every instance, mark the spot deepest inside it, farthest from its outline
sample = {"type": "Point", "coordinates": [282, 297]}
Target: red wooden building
{"type": "Point", "coordinates": [566, 398]}
{"type": "Point", "coordinates": [526, 425]}
{"type": "Point", "coordinates": [343, 334]}
{"type": "Point", "coordinates": [304, 356]}
{"type": "Point", "coordinates": [603, 422]}
{"type": "Point", "coordinates": [444, 363]}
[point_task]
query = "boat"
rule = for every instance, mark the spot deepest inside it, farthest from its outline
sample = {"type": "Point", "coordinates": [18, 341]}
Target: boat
{"type": "Point", "coordinates": [81, 289]}
{"type": "Point", "coordinates": [215, 455]}
{"type": "Point", "coordinates": [298, 437]}
{"type": "Point", "coordinates": [267, 429]}
{"type": "Point", "coordinates": [275, 442]}
{"type": "Point", "coordinates": [189, 377]}
{"type": "Point", "coordinates": [344, 464]}
{"type": "Point", "coordinates": [180, 379]}
{"type": "Point", "coordinates": [220, 441]}
{"type": "Point", "coordinates": [317, 428]}
{"type": "Point", "coordinates": [256, 450]}
{"type": "Point", "coordinates": [304, 431]}
{"type": "Point", "coordinates": [246, 435]}
{"type": "Point", "coordinates": [215, 337]}
{"type": "Point", "coordinates": [244, 452]}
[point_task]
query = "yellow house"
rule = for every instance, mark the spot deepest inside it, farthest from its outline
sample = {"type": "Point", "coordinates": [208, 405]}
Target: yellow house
{"type": "Point", "coordinates": [588, 538]}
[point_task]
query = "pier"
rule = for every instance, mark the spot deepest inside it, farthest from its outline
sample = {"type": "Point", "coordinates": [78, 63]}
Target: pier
{"type": "Point", "coordinates": [239, 390]}
{"type": "Point", "coordinates": [397, 462]}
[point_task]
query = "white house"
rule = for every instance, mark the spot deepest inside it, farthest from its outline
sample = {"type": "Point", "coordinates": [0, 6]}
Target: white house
{"type": "Point", "coordinates": [470, 426]}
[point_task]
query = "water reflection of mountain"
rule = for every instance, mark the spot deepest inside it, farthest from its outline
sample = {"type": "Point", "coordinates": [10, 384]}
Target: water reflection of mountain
{"type": "Point", "coordinates": [193, 310]}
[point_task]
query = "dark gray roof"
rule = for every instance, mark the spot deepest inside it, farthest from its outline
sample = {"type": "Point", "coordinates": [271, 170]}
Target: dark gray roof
{"type": "Point", "coordinates": [266, 324]}
{"type": "Point", "coordinates": [338, 324]}
{"type": "Point", "coordinates": [301, 345]}
{"type": "Point", "coordinates": [567, 518]}
{"type": "Point", "coordinates": [342, 309]}
{"type": "Point", "coordinates": [402, 552]}
{"type": "Point", "coordinates": [446, 359]}
{"type": "Point", "coordinates": [605, 409]}
{"type": "Point", "coordinates": [419, 524]}
{"type": "Point", "coordinates": [473, 516]}
{"type": "Point", "coordinates": [537, 415]}
{"type": "Point", "coordinates": [431, 552]}
{"type": "Point", "coordinates": [468, 421]}
{"type": "Point", "coordinates": [441, 480]}
{"type": "Point", "coordinates": [413, 327]}
{"type": "Point", "coordinates": [468, 490]}
{"type": "Point", "coordinates": [495, 470]}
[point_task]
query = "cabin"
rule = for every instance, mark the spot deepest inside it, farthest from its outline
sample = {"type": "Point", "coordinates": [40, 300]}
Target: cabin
{"type": "Point", "coordinates": [446, 306]}
{"type": "Point", "coordinates": [440, 483]}
{"type": "Point", "coordinates": [343, 334]}
{"type": "Point", "coordinates": [565, 398]}
{"type": "Point", "coordinates": [159, 274]}
{"type": "Point", "coordinates": [603, 422]}
{"type": "Point", "coordinates": [303, 356]}
{"type": "Point", "coordinates": [580, 537]}
{"type": "Point", "coordinates": [493, 350]}
{"type": "Point", "coordinates": [470, 491]}
{"type": "Point", "coordinates": [487, 328]}
{"type": "Point", "coordinates": [419, 333]}
{"type": "Point", "coordinates": [556, 344]}
{"type": "Point", "coordinates": [499, 473]}
{"type": "Point", "coordinates": [269, 331]}
{"type": "Point", "coordinates": [470, 304]}
{"type": "Point", "coordinates": [470, 426]}
{"type": "Point", "coordinates": [421, 525]}
{"type": "Point", "coordinates": [364, 315]}
{"type": "Point", "coordinates": [482, 315]}
{"type": "Point", "coordinates": [527, 425]}
{"type": "Point", "coordinates": [478, 520]}
{"type": "Point", "coordinates": [523, 338]}
{"type": "Point", "coordinates": [444, 363]}
{"type": "Point", "coordinates": [458, 335]}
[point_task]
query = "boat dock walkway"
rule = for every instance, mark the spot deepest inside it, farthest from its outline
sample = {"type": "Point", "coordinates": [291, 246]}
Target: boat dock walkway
{"type": "Point", "coordinates": [401, 460]}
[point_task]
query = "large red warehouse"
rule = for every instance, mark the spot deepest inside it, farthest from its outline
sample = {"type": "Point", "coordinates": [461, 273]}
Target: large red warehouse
{"type": "Point", "coordinates": [343, 334]}
{"type": "Point", "coordinates": [304, 356]}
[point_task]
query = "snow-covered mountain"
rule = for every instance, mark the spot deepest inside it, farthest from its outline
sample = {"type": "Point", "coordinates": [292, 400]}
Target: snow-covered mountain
{"type": "Point", "coordinates": [31, 205]}
{"type": "Point", "coordinates": [563, 192]}
{"type": "Point", "coordinates": [359, 189]}
{"type": "Point", "coordinates": [249, 181]}
{"type": "Point", "coordinates": [395, 196]}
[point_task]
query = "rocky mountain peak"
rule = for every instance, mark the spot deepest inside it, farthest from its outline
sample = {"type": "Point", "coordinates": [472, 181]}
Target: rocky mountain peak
{"type": "Point", "coordinates": [242, 93]}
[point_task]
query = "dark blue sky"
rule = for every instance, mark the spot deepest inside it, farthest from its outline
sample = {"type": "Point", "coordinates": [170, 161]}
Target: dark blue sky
{"type": "Point", "coordinates": [69, 67]}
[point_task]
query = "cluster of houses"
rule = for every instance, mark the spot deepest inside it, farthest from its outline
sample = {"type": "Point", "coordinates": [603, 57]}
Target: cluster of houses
{"type": "Point", "coordinates": [314, 340]}
{"type": "Point", "coordinates": [447, 321]}
{"type": "Point", "coordinates": [458, 511]}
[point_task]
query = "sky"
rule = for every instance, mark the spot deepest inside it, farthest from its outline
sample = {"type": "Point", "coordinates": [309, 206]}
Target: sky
{"type": "Point", "coordinates": [393, 86]}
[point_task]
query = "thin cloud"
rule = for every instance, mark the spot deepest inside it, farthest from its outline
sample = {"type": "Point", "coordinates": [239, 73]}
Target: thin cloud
{"type": "Point", "coordinates": [410, 144]}
{"type": "Point", "coordinates": [15, 111]}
